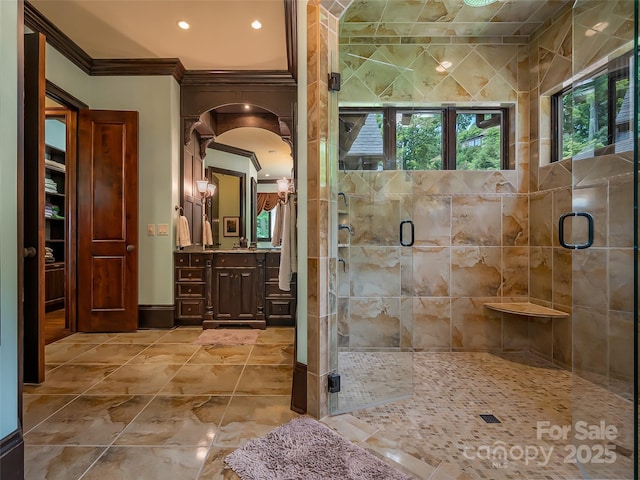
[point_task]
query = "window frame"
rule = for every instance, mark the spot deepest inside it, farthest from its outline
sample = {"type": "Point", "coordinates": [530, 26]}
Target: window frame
{"type": "Point", "coordinates": [615, 70]}
{"type": "Point", "coordinates": [449, 135]}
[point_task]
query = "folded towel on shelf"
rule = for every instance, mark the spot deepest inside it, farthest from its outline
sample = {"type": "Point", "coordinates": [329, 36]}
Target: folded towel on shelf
{"type": "Point", "coordinates": [207, 238]}
{"type": "Point", "coordinates": [183, 237]}
{"type": "Point", "coordinates": [54, 164]}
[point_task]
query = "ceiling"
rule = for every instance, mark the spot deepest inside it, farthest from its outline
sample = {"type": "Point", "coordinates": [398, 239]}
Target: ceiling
{"type": "Point", "coordinates": [445, 18]}
{"type": "Point", "coordinates": [220, 37]}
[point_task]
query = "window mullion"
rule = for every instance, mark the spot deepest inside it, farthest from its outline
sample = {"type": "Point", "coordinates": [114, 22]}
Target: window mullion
{"type": "Point", "coordinates": [449, 139]}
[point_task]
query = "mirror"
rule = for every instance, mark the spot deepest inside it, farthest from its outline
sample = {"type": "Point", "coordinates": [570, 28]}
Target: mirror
{"type": "Point", "coordinates": [227, 209]}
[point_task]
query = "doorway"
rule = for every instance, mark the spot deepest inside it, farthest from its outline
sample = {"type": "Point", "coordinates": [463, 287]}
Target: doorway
{"type": "Point", "coordinates": [59, 166]}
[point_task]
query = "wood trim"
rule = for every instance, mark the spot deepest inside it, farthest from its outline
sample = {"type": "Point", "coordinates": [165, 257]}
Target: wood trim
{"type": "Point", "coordinates": [56, 38]}
{"type": "Point", "coordinates": [299, 388]}
{"type": "Point", "coordinates": [139, 66]}
{"type": "Point", "coordinates": [156, 316]}
{"type": "Point", "coordinates": [291, 32]}
{"type": "Point", "coordinates": [63, 97]}
{"type": "Point", "coordinates": [12, 456]}
{"type": "Point", "coordinates": [221, 147]}
{"type": "Point", "coordinates": [235, 77]}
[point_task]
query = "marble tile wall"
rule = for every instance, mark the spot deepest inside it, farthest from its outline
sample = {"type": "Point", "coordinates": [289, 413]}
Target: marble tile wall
{"type": "Point", "coordinates": [322, 41]}
{"type": "Point", "coordinates": [594, 285]}
{"type": "Point", "coordinates": [471, 247]}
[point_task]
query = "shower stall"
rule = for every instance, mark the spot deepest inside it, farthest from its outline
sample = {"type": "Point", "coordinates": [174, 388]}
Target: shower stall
{"type": "Point", "coordinates": [420, 250]}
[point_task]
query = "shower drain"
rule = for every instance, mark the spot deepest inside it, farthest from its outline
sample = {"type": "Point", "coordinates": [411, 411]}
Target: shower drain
{"type": "Point", "coordinates": [489, 418]}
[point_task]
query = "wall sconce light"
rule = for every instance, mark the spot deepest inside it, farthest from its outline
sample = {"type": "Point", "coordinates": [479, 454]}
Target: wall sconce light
{"type": "Point", "coordinates": [285, 187]}
{"type": "Point", "coordinates": [206, 190]}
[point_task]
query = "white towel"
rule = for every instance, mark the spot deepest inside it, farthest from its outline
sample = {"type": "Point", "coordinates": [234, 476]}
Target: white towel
{"type": "Point", "coordinates": [276, 240]}
{"type": "Point", "coordinates": [208, 235]}
{"type": "Point", "coordinates": [183, 237]}
{"type": "Point", "coordinates": [288, 254]}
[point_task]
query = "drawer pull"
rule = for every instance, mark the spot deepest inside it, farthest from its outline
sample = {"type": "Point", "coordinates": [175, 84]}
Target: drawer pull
{"type": "Point", "coordinates": [188, 290]}
{"type": "Point", "coordinates": [189, 274]}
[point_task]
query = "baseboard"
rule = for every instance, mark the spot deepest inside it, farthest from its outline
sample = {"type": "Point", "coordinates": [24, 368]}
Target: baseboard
{"type": "Point", "coordinates": [156, 316]}
{"type": "Point", "coordinates": [299, 388]}
{"type": "Point", "coordinates": [12, 456]}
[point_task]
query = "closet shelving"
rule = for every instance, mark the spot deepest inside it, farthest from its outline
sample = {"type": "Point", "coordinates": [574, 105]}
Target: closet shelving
{"type": "Point", "coordinates": [55, 226]}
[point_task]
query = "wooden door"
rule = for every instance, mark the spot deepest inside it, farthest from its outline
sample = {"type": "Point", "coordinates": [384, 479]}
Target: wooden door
{"type": "Point", "coordinates": [33, 213]}
{"type": "Point", "coordinates": [107, 179]}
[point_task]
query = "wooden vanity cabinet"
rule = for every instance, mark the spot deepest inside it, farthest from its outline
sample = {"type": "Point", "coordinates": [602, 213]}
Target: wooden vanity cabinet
{"type": "Point", "coordinates": [192, 270]}
{"type": "Point", "coordinates": [217, 288]}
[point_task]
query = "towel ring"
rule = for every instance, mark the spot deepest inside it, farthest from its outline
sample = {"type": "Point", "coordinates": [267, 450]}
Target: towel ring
{"type": "Point", "coordinates": [181, 210]}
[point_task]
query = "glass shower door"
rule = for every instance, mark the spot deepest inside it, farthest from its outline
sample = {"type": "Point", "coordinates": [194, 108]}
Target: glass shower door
{"type": "Point", "coordinates": [373, 356]}
{"type": "Point", "coordinates": [602, 232]}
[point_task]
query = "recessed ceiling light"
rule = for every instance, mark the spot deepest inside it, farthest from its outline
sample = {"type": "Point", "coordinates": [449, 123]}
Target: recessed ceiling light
{"type": "Point", "coordinates": [256, 25]}
{"type": "Point", "coordinates": [183, 24]}
{"type": "Point", "coordinates": [267, 174]}
{"type": "Point", "coordinates": [479, 3]}
{"type": "Point", "coordinates": [247, 106]}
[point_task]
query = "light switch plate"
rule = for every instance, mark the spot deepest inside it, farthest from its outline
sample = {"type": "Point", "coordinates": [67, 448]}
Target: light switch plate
{"type": "Point", "coordinates": [163, 229]}
{"type": "Point", "coordinates": [151, 229]}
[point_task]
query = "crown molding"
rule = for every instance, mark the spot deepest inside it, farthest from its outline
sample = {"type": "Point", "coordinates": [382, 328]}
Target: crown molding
{"type": "Point", "coordinates": [139, 66]}
{"type": "Point", "coordinates": [56, 38]}
{"type": "Point", "coordinates": [237, 151]}
{"type": "Point", "coordinates": [238, 77]}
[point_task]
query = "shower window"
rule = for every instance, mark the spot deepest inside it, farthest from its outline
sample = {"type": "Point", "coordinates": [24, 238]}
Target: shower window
{"type": "Point", "coordinates": [446, 138]}
{"type": "Point", "coordinates": [593, 116]}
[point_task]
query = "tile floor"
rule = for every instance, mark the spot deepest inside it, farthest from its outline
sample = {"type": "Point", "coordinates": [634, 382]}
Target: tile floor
{"type": "Point", "coordinates": [152, 405]}
{"type": "Point", "coordinates": [441, 421]}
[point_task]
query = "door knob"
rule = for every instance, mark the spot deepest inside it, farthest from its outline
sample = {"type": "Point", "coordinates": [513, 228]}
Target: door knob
{"type": "Point", "coordinates": [29, 252]}
{"type": "Point", "coordinates": [131, 248]}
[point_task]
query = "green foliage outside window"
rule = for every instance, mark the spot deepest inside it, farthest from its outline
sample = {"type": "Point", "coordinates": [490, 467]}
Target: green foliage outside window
{"type": "Point", "coordinates": [263, 225]}
{"type": "Point", "coordinates": [483, 153]}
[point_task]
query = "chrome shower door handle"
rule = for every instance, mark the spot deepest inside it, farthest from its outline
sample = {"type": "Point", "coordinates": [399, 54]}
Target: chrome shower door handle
{"type": "Point", "coordinates": [402, 242]}
{"type": "Point", "coordinates": [575, 246]}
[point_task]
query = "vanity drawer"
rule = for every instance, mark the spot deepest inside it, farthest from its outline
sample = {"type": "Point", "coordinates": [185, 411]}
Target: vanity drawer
{"type": "Point", "coordinates": [190, 308]}
{"type": "Point", "coordinates": [272, 290]}
{"type": "Point", "coordinates": [190, 290]}
{"type": "Point", "coordinates": [235, 260]}
{"type": "Point", "coordinates": [199, 260]}
{"type": "Point", "coordinates": [181, 259]}
{"type": "Point", "coordinates": [190, 274]}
